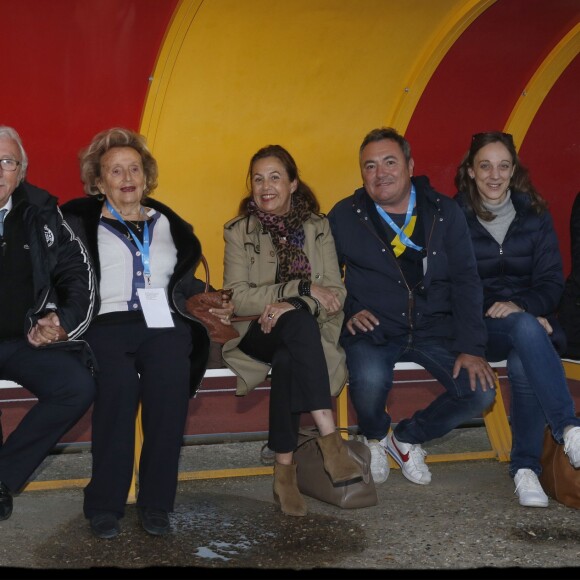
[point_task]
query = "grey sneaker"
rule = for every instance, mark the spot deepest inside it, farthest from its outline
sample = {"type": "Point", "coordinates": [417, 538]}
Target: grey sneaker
{"type": "Point", "coordinates": [379, 460]}
{"type": "Point", "coordinates": [267, 456]}
{"type": "Point", "coordinates": [529, 490]}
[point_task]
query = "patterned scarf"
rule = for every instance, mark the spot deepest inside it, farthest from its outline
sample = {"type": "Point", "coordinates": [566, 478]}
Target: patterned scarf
{"type": "Point", "coordinates": [287, 233]}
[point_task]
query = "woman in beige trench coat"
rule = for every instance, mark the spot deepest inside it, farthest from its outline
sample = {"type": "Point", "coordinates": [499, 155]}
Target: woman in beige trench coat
{"type": "Point", "coordinates": [280, 262]}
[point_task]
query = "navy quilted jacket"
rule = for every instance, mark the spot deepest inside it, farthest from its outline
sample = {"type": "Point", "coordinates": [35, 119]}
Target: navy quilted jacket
{"type": "Point", "coordinates": [527, 268]}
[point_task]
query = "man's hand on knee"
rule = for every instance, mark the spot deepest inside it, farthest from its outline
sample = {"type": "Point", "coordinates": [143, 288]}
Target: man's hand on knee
{"type": "Point", "coordinates": [477, 368]}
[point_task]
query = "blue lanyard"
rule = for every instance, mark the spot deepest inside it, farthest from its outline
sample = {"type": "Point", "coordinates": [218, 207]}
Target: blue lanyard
{"type": "Point", "coordinates": [401, 231]}
{"type": "Point", "coordinates": [143, 247]}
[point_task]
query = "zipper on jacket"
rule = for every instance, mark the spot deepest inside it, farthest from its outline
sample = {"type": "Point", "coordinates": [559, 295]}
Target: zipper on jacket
{"type": "Point", "coordinates": [410, 296]}
{"type": "Point", "coordinates": [500, 246]}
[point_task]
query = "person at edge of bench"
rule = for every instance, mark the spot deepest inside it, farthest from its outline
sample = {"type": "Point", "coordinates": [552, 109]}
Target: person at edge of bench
{"type": "Point", "coordinates": [46, 302]}
{"type": "Point", "coordinates": [519, 262]}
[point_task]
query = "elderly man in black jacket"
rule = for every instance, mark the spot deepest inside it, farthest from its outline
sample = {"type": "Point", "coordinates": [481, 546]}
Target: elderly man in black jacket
{"type": "Point", "coordinates": [413, 294]}
{"type": "Point", "coordinates": [47, 293]}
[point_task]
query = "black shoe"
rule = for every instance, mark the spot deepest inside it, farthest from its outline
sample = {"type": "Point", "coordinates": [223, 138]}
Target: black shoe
{"type": "Point", "coordinates": [105, 525]}
{"type": "Point", "coordinates": [155, 522]}
{"type": "Point", "coordinates": [5, 502]}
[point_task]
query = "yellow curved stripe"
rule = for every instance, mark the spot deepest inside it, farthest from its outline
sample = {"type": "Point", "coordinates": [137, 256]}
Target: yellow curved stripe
{"type": "Point", "coordinates": [170, 48]}
{"type": "Point", "coordinates": [430, 57]}
{"type": "Point", "coordinates": [541, 83]}
{"type": "Point", "coordinates": [228, 80]}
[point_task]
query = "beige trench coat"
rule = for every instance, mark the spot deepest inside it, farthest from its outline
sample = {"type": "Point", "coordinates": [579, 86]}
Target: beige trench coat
{"type": "Point", "coordinates": [250, 266]}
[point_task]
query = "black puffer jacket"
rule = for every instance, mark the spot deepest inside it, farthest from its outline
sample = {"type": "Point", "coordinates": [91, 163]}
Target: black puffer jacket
{"type": "Point", "coordinates": [83, 215]}
{"type": "Point", "coordinates": [569, 311]}
{"type": "Point", "coordinates": [527, 268]}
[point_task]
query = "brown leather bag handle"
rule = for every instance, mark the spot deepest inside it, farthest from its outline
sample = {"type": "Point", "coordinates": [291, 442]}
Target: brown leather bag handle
{"type": "Point", "coordinates": [206, 267]}
{"type": "Point", "coordinates": [234, 318]}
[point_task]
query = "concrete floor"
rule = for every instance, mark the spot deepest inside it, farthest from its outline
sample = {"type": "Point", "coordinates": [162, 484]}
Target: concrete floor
{"type": "Point", "coordinates": [466, 523]}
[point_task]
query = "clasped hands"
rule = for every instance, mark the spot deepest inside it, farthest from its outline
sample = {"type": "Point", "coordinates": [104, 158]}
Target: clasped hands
{"type": "Point", "coordinates": [225, 313]}
{"type": "Point", "coordinates": [272, 312]}
{"type": "Point", "coordinates": [47, 330]}
{"type": "Point", "coordinates": [503, 309]}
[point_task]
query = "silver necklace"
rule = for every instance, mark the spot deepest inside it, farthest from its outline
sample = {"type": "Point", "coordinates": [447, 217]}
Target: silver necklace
{"type": "Point", "coordinates": [137, 225]}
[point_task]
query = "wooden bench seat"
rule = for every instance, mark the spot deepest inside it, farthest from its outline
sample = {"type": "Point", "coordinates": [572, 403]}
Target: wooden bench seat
{"type": "Point", "coordinates": [495, 419]}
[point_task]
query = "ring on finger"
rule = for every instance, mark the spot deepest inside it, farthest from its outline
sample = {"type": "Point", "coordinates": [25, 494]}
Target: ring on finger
{"type": "Point", "coordinates": [271, 315]}
{"type": "Point", "coordinates": [354, 319]}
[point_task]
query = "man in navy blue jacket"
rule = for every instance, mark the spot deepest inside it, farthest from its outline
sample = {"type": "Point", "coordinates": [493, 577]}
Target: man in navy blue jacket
{"type": "Point", "coordinates": [413, 295]}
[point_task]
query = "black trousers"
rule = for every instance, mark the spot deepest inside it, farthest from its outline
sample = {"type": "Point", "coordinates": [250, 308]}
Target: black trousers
{"type": "Point", "coordinates": [65, 390]}
{"type": "Point", "coordinates": [151, 366]}
{"type": "Point", "coordinates": [300, 381]}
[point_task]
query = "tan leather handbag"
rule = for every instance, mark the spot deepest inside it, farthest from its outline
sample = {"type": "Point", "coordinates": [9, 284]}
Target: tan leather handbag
{"type": "Point", "coordinates": [313, 480]}
{"type": "Point", "coordinates": [558, 478]}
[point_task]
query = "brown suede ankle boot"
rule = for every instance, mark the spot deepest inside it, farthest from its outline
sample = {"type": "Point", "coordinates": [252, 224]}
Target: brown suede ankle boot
{"type": "Point", "coordinates": [337, 462]}
{"type": "Point", "coordinates": [286, 492]}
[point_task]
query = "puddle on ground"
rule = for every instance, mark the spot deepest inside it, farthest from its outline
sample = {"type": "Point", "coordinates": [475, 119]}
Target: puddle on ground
{"type": "Point", "coordinates": [534, 533]}
{"type": "Point", "coordinates": [210, 531]}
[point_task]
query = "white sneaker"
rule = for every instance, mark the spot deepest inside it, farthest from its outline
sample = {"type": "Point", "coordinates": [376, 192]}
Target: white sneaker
{"type": "Point", "coordinates": [529, 489]}
{"type": "Point", "coordinates": [411, 458]}
{"type": "Point", "coordinates": [379, 460]}
{"type": "Point", "coordinates": [572, 446]}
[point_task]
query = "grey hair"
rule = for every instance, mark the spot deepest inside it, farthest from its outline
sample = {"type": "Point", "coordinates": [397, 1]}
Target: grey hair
{"type": "Point", "coordinates": [90, 157]}
{"type": "Point", "coordinates": [10, 133]}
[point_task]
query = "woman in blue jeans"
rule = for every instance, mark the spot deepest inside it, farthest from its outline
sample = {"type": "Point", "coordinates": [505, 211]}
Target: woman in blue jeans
{"type": "Point", "coordinates": [521, 269]}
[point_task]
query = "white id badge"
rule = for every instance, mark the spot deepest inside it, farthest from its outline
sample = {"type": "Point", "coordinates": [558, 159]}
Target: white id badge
{"type": "Point", "coordinates": [155, 307]}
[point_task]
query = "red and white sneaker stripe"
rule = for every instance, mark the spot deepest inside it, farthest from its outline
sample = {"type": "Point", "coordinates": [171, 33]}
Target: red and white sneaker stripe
{"type": "Point", "coordinates": [411, 459]}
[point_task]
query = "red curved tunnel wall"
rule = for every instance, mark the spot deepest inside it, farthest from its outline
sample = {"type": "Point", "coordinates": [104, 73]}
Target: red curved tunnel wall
{"type": "Point", "coordinates": [476, 87]}
{"type": "Point", "coordinates": [552, 152]}
{"type": "Point", "coordinates": [72, 68]}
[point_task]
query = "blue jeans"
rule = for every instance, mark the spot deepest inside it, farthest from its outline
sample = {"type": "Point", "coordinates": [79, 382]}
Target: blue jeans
{"type": "Point", "coordinates": [539, 391]}
{"type": "Point", "coordinates": [370, 368]}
